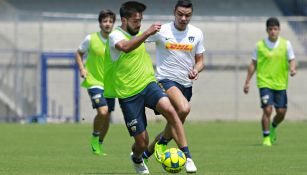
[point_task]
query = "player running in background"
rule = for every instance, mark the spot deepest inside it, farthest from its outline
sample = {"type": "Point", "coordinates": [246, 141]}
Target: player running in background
{"type": "Point", "coordinates": [130, 77]}
{"type": "Point", "coordinates": [180, 57]}
{"type": "Point", "coordinates": [93, 74]}
{"type": "Point", "coordinates": [271, 60]}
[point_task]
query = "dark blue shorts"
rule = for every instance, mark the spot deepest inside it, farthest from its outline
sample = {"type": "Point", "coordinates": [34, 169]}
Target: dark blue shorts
{"type": "Point", "coordinates": [98, 99]}
{"type": "Point", "coordinates": [186, 91]}
{"type": "Point", "coordinates": [278, 98]}
{"type": "Point", "coordinates": [133, 108]}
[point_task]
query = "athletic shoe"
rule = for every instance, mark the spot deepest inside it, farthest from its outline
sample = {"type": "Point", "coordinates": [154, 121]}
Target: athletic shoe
{"type": "Point", "coordinates": [159, 150]}
{"type": "Point", "coordinates": [96, 147]}
{"type": "Point", "coordinates": [102, 150]}
{"type": "Point", "coordinates": [273, 134]}
{"type": "Point", "coordinates": [145, 160]}
{"type": "Point", "coordinates": [140, 168]}
{"type": "Point", "coordinates": [267, 141]}
{"type": "Point", "coordinates": [190, 166]}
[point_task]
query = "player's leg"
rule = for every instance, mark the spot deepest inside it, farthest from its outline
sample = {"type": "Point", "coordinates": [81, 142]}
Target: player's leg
{"type": "Point", "coordinates": [179, 97]}
{"type": "Point", "coordinates": [133, 110]}
{"type": "Point", "coordinates": [174, 129]}
{"type": "Point", "coordinates": [140, 145]}
{"type": "Point", "coordinates": [104, 114]}
{"type": "Point", "coordinates": [102, 123]}
{"type": "Point", "coordinates": [280, 100]}
{"type": "Point", "coordinates": [99, 130]}
{"type": "Point", "coordinates": [266, 96]}
{"type": "Point", "coordinates": [156, 99]}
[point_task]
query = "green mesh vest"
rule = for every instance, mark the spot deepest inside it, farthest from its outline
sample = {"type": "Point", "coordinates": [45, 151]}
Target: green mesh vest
{"type": "Point", "coordinates": [129, 74]}
{"type": "Point", "coordinates": [94, 62]}
{"type": "Point", "coordinates": [272, 66]}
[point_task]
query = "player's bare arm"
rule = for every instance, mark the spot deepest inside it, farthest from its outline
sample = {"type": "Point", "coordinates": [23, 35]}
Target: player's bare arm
{"type": "Point", "coordinates": [292, 67]}
{"type": "Point", "coordinates": [250, 73]}
{"type": "Point", "coordinates": [82, 70]}
{"type": "Point", "coordinates": [198, 67]}
{"type": "Point", "coordinates": [129, 45]}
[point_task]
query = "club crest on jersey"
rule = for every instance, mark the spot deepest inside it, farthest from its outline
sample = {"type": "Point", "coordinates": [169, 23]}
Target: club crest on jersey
{"type": "Point", "coordinates": [191, 39]}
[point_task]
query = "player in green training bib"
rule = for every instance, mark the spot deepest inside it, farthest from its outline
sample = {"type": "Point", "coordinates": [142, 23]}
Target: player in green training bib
{"type": "Point", "coordinates": [93, 74]}
{"type": "Point", "coordinates": [129, 76]}
{"type": "Point", "coordinates": [272, 59]}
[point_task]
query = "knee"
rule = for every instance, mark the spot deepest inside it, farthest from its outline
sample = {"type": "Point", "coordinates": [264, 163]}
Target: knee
{"type": "Point", "coordinates": [103, 113]}
{"type": "Point", "coordinates": [281, 112]}
{"type": "Point", "coordinates": [267, 111]}
{"type": "Point", "coordinates": [168, 109]}
{"type": "Point", "coordinates": [142, 144]}
{"type": "Point", "coordinates": [184, 111]}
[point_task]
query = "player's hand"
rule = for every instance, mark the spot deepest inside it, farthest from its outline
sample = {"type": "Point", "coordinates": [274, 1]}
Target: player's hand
{"type": "Point", "coordinates": [292, 72]}
{"type": "Point", "coordinates": [246, 88]}
{"type": "Point", "coordinates": [83, 73]}
{"type": "Point", "coordinates": [154, 28]}
{"type": "Point", "coordinates": [193, 75]}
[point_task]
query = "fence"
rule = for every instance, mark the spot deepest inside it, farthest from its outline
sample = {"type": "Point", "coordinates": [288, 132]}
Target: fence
{"type": "Point", "coordinates": [218, 95]}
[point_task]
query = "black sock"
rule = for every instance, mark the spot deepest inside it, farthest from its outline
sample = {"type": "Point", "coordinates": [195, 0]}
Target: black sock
{"type": "Point", "coordinates": [96, 134]}
{"type": "Point", "coordinates": [146, 154]}
{"type": "Point", "coordinates": [274, 125]}
{"type": "Point", "coordinates": [266, 133]}
{"type": "Point", "coordinates": [186, 151]}
{"type": "Point", "coordinates": [163, 141]}
{"type": "Point", "coordinates": [137, 160]}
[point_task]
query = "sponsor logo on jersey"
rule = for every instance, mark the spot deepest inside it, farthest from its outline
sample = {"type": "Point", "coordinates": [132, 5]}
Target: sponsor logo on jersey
{"type": "Point", "coordinates": [177, 46]}
{"type": "Point", "coordinates": [96, 96]}
{"type": "Point", "coordinates": [132, 122]}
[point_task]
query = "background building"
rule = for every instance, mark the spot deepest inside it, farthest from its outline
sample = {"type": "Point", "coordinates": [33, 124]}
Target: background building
{"type": "Point", "coordinates": [38, 38]}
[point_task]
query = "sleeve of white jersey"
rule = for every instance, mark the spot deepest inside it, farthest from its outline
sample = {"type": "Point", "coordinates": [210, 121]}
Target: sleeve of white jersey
{"type": "Point", "coordinates": [83, 47]}
{"type": "Point", "coordinates": [152, 38]}
{"type": "Point", "coordinates": [200, 45]}
{"type": "Point", "coordinates": [115, 37]}
{"type": "Point", "coordinates": [290, 51]}
{"type": "Point", "coordinates": [255, 54]}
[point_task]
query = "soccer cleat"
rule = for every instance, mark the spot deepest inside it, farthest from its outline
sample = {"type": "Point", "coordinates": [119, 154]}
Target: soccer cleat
{"type": "Point", "coordinates": [102, 151]}
{"type": "Point", "coordinates": [145, 160]}
{"type": "Point", "coordinates": [273, 134]}
{"type": "Point", "coordinates": [96, 147]}
{"type": "Point", "coordinates": [140, 168]}
{"type": "Point", "coordinates": [159, 150]}
{"type": "Point", "coordinates": [266, 141]}
{"type": "Point", "coordinates": [190, 166]}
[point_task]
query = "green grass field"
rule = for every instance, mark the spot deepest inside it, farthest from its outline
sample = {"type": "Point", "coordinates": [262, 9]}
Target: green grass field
{"type": "Point", "coordinates": [218, 148]}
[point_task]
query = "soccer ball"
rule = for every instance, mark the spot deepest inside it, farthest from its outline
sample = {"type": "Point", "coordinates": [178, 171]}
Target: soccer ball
{"type": "Point", "coordinates": [173, 160]}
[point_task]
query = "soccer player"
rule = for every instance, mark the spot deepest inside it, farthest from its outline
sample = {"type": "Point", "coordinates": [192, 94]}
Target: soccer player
{"type": "Point", "coordinates": [93, 74]}
{"type": "Point", "coordinates": [179, 60]}
{"type": "Point", "coordinates": [129, 76]}
{"type": "Point", "coordinates": [271, 60]}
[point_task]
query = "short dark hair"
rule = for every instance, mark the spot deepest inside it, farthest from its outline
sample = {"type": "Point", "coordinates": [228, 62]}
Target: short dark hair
{"type": "Point", "coordinates": [106, 13]}
{"type": "Point", "coordinates": [128, 8]}
{"type": "Point", "coordinates": [184, 3]}
{"type": "Point", "coordinates": [272, 21]}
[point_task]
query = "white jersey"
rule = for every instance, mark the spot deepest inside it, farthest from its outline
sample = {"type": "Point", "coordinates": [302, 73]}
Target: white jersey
{"type": "Point", "coordinates": [272, 45]}
{"type": "Point", "coordinates": [176, 52]}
